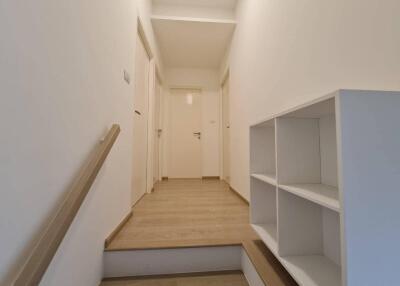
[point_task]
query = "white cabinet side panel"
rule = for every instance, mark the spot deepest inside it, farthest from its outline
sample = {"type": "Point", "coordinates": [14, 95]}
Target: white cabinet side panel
{"type": "Point", "coordinates": [369, 179]}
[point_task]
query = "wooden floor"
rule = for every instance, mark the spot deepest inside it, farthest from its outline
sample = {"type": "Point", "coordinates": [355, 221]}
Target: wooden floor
{"type": "Point", "coordinates": [186, 213]}
{"type": "Point", "coordinates": [231, 278]}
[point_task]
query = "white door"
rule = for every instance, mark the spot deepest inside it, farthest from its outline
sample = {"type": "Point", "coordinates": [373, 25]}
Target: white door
{"type": "Point", "coordinates": [226, 133]}
{"type": "Point", "coordinates": [184, 134]}
{"type": "Point", "coordinates": [157, 131]}
{"type": "Point", "coordinates": [140, 121]}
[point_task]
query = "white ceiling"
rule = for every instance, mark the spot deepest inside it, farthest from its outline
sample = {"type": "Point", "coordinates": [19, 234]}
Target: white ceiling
{"type": "Point", "coordinates": [193, 33]}
{"type": "Point", "coordinates": [223, 4]}
{"type": "Point", "coordinates": [192, 44]}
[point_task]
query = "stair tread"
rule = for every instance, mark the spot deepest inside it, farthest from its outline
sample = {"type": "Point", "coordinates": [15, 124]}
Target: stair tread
{"type": "Point", "coordinates": [185, 213]}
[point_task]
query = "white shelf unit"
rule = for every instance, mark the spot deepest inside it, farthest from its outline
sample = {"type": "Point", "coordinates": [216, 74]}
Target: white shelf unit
{"type": "Point", "coordinates": [263, 153]}
{"type": "Point", "coordinates": [324, 167]}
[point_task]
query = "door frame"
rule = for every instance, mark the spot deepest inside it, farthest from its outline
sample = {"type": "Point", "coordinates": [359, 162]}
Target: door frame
{"type": "Point", "coordinates": [140, 126]}
{"type": "Point", "coordinates": [154, 72]}
{"type": "Point", "coordinates": [166, 108]}
{"type": "Point", "coordinates": [225, 77]}
{"type": "Point", "coordinates": [160, 124]}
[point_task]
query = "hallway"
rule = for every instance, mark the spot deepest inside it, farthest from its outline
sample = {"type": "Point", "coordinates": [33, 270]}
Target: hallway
{"type": "Point", "coordinates": [186, 213]}
{"type": "Point", "coordinates": [199, 142]}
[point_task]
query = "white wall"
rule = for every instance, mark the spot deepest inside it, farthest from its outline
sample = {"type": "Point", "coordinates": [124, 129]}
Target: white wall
{"type": "Point", "coordinates": [61, 86]}
{"type": "Point", "coordinates": [286, 52]}
{"type": "Point", "coordinates": [144, 11]}
{"type": "Point", "coordinates": [208, 81]}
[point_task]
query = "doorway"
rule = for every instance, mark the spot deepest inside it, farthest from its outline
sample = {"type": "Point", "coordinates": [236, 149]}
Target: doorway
{"type": "Point", "coordinates": [185, 134]}
{"type": "Point", "coordinates": [140, 121]}
{"type": "Point", "coordinates": [226, 130]}
{"type": "Point", "coordinates": [157, 130]}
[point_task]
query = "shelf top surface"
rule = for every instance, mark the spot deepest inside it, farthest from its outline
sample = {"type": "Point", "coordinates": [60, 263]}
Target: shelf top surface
{"type": "Point", "coordinates": [316, 101]}
{"type": "Point", "coordinates": [309, 105]}
{"type": "Point", "coordinates": [269, 123]}
{"type": "Point", "coordinates": [317, 110]}
{"type": "Point", "coordinates": [324, 195]}
{"type": "Point", "coordinates": [267, 178]}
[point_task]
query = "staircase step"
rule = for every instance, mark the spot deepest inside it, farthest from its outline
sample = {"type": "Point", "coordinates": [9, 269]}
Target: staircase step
{"type": "Point", "coordinates": [223, 278]}
{"type": "Point", "coordinates": [269, 269]}
{"type": "Point", "coordinates": [142, 262]}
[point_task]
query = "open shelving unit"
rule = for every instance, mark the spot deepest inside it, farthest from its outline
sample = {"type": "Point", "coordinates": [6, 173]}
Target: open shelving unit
{"type": "Point", "coordinates": [293, 165]}
{"type": "Point", "coordinates": [314, 163]}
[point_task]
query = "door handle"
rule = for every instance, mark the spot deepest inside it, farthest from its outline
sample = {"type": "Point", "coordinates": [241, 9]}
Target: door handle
{"type": "Point", "coordinates": [198, 134]}
{"type": "Point", "coordinates": [138, 112]}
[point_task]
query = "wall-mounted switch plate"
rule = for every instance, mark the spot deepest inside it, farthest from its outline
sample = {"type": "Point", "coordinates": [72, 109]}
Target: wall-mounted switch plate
{"type": "Point", "coordinates": [127, 77]}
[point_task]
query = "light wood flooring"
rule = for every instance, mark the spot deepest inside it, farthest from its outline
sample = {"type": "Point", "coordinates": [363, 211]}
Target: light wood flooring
{"type": "Point", "coordinates": [186, 213]}
{"type": "Point", "coordinates": [232, 278]}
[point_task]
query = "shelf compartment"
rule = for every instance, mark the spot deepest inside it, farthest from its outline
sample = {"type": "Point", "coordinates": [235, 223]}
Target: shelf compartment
{"type": "Point", "coordinates": [323, 195]}
{"type": "Point", "coordinates": [307, 149]}
{"type": "Point", "coordinates": [262, 146]}
{"type": "Point", "coordinates": [313, 270]}
{"type": "Point", "coordinates": [309, 240]}
{"type": "Point", "coordinates": [267, 178]}
{"type": "Point", "coordinates": [263, 212]}
{"type": "Point", "coordinates": [268, 234]}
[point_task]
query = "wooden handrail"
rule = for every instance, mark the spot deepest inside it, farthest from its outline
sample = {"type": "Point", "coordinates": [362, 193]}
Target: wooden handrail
{"type": "Point", "coordinates": [44, 251]}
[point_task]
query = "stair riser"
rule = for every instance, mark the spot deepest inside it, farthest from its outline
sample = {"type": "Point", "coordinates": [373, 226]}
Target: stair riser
{"type": "Point", "coordinates": [171, 261]}
{"type": "Point", "coordinates": [178, 261]}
